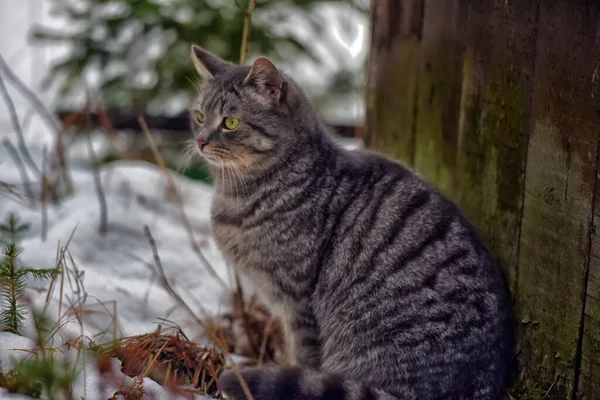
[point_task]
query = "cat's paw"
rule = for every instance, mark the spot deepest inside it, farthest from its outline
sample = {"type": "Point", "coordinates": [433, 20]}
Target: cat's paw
{"type": "Point", "coordinates": [229, 383]}
{"type": "Point", "coordinates": [262, 383]}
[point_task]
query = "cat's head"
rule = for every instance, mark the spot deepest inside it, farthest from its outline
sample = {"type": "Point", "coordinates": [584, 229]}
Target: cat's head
{"type": "Point", "coordinates": [245, 116]}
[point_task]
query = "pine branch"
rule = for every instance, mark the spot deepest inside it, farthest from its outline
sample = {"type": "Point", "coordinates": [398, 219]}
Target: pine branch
{"type": "Point", "coordinates": [13, 284]}
{"type": "Point", "coordinates": [42, 273]}
{"type": "Point", "coordinates": [11, 230]}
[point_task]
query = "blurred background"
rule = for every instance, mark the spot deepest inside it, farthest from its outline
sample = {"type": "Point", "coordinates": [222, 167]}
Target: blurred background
{"type": "Point", "coordinates": [131, 58]}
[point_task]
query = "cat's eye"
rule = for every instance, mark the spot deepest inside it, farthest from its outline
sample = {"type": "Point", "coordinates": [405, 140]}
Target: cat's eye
{"type": "Point", "coordinates": [200, 117]}
{"type": "Point", "coordinates": [231, 123]}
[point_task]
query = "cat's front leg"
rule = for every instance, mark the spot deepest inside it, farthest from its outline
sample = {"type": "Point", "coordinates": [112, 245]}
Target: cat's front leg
{"type": "Point", "coordinates": [303, 341]}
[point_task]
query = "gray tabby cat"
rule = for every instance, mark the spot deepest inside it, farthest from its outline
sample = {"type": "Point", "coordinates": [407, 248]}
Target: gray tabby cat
{"type": "Point", "coordinates": [385, 289]}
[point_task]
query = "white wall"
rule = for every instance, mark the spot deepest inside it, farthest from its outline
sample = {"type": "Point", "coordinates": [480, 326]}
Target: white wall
{"type": "Point", "coordinates": [28, 62]}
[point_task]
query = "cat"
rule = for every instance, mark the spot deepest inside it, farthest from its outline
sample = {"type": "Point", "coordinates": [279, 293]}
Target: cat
{"type": "Point", "coordinates": [385, 289]}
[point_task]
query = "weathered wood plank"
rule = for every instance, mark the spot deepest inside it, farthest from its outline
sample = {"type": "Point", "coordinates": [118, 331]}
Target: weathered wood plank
{"type": "Point", "coordinates": [559, 188]}
{"type": "Point", "coordinates": [497, 103]}
{"type": "Point", "coordinates": [396, 31]}
{"type": "Point", "coordinates": [439, 77]}
{"type": "Point", "coordinates": [589, 381]}
{"type": "Point", "coordinates": [589, 73]}
{"type": "Point", "coordinates": [494, 121]}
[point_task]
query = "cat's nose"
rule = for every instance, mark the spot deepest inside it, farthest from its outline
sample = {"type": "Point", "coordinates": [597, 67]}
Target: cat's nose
{"type": "Point", "coordinates": [201, 144]}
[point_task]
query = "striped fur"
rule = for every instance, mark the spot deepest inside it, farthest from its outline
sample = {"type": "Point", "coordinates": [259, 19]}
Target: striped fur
{"type": "Point", "coordinates": [385, 288]}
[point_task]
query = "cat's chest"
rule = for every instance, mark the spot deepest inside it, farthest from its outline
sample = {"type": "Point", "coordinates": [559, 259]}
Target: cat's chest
{"type": "Point", "coordinates": [242, 244]}
{"type": "Point", "coordinates": [239, 245]}
{"type": "Point", "coordinates": [250, 256]}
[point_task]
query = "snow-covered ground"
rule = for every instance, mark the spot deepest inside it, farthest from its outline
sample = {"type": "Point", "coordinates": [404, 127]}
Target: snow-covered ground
{"type": "Point", "coordinates": [117, 270]}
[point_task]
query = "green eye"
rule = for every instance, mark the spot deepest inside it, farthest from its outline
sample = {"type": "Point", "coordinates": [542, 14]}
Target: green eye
{"type": "Point", "coordinates": [200, 117]}
{"type": "Point", "coordinates": [231, 123]}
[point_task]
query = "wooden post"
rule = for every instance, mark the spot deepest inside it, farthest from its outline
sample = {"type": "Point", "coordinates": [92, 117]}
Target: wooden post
{"type": "Point", "coordinates": [498, 104]}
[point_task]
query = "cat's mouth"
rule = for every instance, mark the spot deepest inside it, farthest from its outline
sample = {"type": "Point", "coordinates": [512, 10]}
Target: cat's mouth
{"type": "Point", "coordinates": [213, 159]}
{"type": "Point", "coordinates": [215, 156]}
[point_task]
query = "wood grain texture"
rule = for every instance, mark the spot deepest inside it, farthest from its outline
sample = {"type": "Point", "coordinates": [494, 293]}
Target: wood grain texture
{"type": "Point", "coordinates": [497, 103]}
{"type": "Point", "coordinates": [559, 190]}
{"type": "Point", "coordinates": [391, 87]}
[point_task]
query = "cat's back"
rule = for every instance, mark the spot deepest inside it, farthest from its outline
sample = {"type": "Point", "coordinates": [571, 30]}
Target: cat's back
{"type": "Point", "coordinates": [407, 274]}
{"type": "Point", "coordinates": [399, 229]}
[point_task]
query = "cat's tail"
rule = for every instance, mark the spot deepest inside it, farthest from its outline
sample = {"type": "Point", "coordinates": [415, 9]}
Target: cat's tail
{"type": "Point", "coordinates": [294, 383]}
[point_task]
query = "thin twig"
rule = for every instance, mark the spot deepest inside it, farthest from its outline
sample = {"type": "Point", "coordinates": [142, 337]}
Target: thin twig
{"type": "Point", "coordinates": [97, 181]}
{"type": "Point", "coordinates": [165, 281]}
{"type": "Point", "coordinates": [14, 154]}
{"type": "Point", "coordinates": [11, 189]}
{"type": "Point", "coordinates": [245, 321]}
{"type": "Point", "coordinates": [549, 389]}
{"type": "Point", "coordinates": [44, 195]}
{"type": "Point", "coordinates": [156, 153]}
{"type": "Point", "coordinates": [265, 339]}
{"type": "Point", "coordinates": [247, 29]}
{"type": "Point", "coordinates": [179, 199]}
{"type": "Point", "coordinates": [239, 6]}
{"type": "Point", "coordinates": [245, 47]}
{"type": "Point", "coordinates": [17, 126]}
{"type": "Point", "coordinates": [59, 265]}
{"type": "Point", "coordinates": [236, 371]}
{"type": "Point", "coordinates": [50, 119]}
{"type": "Point", "coordinates": [219, 342]}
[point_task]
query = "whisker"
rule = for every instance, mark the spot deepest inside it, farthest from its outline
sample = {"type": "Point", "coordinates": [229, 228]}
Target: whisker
{"type": "Point", "coordinates": [231, 176]}
{"type": "Point", "coordinates": [193, 84]}
{"type": "Point", "coordinates": [239, 174]}
{"type": "Point", "coordinates": [237, 157]}
{"type": "Point", "coordinates": [222, 175]}
{"type": "Point", "coordinates": [189, 153]}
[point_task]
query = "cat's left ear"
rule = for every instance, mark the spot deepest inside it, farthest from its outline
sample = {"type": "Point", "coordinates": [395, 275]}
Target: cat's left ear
{"type": "Point", "coordinates": [207, 64]}
{"type": "Point", "coordinates": [266, 79]}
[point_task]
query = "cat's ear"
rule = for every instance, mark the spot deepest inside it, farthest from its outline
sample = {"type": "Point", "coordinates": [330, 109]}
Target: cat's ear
{"type": "Point", "coordinates": [207, 64]}
{"type": "Point", "coordinates": [266, 79]}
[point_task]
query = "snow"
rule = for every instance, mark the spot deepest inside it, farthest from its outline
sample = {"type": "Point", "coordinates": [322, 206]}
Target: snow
{"type": "Point", "coordinates": [115, 268]}
{"type": "Point", "coordinates": [117, 271]}
{"type": "Point", "coordinates": [91, 384]}
{"type": "Point", "coordinates": [113, 265]}
{"type": "Point", "coordinates": [10, 344]}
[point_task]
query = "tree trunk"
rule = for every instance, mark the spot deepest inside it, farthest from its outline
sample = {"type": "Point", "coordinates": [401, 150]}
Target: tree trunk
{"type": "Point", "coordinates": [498, 104]}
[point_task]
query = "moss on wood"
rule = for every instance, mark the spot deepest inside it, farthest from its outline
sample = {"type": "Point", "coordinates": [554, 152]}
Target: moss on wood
{"type": "Point", "coordinates": [390, 103]}
{"type": "Point", "coordinates": [506, 123]}
{"type": "Point", "coordinates": [438, 102]}
{"type": "Point", "coordinates": [491, 159]}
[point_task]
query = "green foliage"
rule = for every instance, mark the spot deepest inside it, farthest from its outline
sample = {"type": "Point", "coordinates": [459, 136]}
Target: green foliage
{"type": "Point", "coordinates": [13, 276]}
{"type": "Point", "coordinates": [11, 230]}
{"type": "Point", "coordinates": [140, 48]}
{"type": "Point", "coordinates": [53, 376]}
{"type": "Point", "coordinates": [13, 284]}
{"type": "Point", "coordinates": [16, 383]}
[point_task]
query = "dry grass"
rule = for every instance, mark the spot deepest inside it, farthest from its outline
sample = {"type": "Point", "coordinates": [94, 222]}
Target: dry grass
{"type": "Point", "coordinates": [259, 337]}
{"type": "Point", "coordinates": [171, 360]}
{"type": "Point", "coordinates": [135, 392]}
